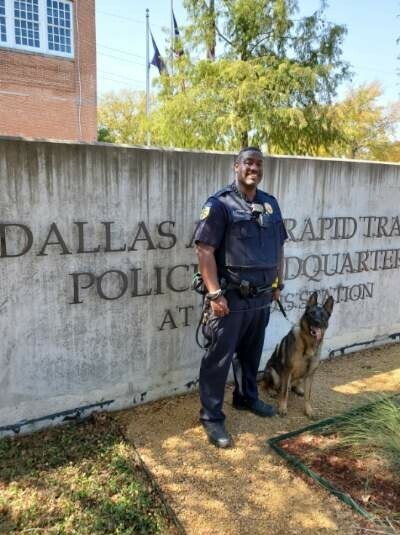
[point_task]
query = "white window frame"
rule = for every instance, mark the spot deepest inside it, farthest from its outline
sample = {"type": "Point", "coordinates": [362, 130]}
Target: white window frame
{"type": "Point", "coordinates": [43, 31]}
{"type": "Point", "coordinates": [4, 23]}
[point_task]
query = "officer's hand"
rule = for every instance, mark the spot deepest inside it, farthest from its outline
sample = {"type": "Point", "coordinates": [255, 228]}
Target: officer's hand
{"type": "Point", "coordinates": [276, 295]}
{"type": "Point", "coordinates": [220, 307]}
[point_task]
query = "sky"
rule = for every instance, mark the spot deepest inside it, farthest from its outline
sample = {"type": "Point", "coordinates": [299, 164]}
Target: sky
{"type": "Point", "coordinates": [370, 45]}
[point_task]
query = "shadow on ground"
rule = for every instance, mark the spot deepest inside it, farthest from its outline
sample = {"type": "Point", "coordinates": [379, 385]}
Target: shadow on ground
{"type": "Point", "coordinates": [248, 489]}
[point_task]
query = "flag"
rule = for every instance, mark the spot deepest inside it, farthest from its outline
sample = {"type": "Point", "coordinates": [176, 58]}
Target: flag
{"type": "Point", "coordinates": [157, 60]}
{"type": "Point", "coordinates": [177, 45]}
{"type": "Point", "coordinates": [176, 29]}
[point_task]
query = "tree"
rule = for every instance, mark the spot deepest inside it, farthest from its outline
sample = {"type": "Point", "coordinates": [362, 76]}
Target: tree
{"type": "Point", "coordinates": [269, 85]}
{"type": "Point", "coordinates": [392, 153]}
{"type": "Point", "coordinates": [368, 129]}
{"type": "Point", "coordinates": [122, 117]}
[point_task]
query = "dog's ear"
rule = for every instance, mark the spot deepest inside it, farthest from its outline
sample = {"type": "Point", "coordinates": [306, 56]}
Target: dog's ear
{"type": "Point", "coordinates": [312, 300]}
{"type": "Point", "coordinates": [328, 305]}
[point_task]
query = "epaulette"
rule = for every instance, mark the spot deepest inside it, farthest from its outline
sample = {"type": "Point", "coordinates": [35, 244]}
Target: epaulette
{"type": "Point", "coordinates": [220, 192]}
{"type": "Point", "coordinates": [268, 195]}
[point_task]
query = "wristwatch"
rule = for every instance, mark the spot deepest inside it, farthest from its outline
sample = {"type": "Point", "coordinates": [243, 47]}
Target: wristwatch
{"type": "Point", "coordinates": [212, 296]}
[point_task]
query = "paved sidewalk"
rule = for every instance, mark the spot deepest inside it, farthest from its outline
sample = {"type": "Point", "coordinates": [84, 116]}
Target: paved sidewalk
{"type": "Point", "coordinates": [248, 489]}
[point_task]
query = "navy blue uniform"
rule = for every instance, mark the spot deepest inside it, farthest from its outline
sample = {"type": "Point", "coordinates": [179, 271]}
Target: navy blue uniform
{"type": "Point", "coordinates": [247, 246]}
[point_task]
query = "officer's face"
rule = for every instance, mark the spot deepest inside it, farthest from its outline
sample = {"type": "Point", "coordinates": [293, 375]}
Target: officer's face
{"type": "Point", "coordinates": [249, 169]}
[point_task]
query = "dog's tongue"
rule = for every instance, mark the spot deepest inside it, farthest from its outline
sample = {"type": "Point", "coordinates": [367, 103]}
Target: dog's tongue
{"type": "Point", "coordinates": [316, 331]}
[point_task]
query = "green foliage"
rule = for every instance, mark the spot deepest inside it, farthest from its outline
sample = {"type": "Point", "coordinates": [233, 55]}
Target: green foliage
{"type": "Point", "coordinates": [268, 85]}
{"type": "Point", "coordinates": [272, 84]}
{"type": "Point", "coordinates": [377, 428]}
{"type": "Point", "coordinates": [76, 479]}
{"type": "Point", "coordinates": [368, 128]}
{"type": "Point", "coordinates": [104, 135]}
{"type": "Point", "coordinates": [122, 117]}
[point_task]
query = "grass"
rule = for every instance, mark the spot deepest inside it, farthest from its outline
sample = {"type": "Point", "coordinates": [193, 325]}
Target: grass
{"type": "Point", "coordinates": [77, 479]}
{"type": "Point", "coordinates": [376, 429]}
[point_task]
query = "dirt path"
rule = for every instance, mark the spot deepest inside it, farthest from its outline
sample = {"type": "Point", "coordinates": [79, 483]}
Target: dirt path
{"type": "Point", "coordinates": [248, 489]}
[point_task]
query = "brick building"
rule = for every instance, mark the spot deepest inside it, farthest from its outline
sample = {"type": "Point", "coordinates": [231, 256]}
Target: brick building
{"type": "Point", "coordinates": [48, 69]}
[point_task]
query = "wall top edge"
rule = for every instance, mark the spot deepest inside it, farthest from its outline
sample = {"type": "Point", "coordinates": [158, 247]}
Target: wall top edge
{"type": "Point", "coordinates": [189, 151]}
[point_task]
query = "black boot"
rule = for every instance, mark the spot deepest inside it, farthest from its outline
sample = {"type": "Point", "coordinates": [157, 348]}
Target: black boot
{"type": "Point", "coordinates": [257, 407]}
{"type": "Point", "coordinates": [217, 434]}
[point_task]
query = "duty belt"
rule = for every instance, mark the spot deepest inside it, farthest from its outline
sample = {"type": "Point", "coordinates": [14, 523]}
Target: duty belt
{"type": "Point", "coordinates": [246, 289]}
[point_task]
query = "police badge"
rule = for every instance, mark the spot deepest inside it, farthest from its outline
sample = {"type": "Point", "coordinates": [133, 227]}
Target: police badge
{"type": "Point", "coordinates": [268, 208]}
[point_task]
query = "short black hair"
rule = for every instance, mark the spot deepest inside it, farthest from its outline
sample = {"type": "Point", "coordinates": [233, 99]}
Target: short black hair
{"type": "Point", "coordinates": [247, 149]}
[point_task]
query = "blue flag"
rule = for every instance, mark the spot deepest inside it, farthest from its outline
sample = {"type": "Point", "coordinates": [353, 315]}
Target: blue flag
{"type": "Point", "coordinates": [157, 60]}
{"type": "Point", "coordinates": [177, 46]}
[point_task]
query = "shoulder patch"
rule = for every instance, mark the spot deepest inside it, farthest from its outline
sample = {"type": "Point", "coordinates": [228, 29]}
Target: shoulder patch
{"type": "Point", "coordinates": [205, 212]}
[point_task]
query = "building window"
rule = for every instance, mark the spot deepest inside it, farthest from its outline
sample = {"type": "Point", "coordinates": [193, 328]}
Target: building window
{"type": "Point", "coordinates": [44, 26]}
{"type": "Point", "coordinates": [26, 20]}
{"type": "Point", "coordinates": [59, 26]}
{"type": "Point", "coordinates": [3, 33]}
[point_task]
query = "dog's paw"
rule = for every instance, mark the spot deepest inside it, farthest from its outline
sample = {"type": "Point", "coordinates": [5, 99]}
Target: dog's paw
{"type": "Point", "coordinates": [310, 413]}
{"type": "Point", "coordinates": [282, 411]}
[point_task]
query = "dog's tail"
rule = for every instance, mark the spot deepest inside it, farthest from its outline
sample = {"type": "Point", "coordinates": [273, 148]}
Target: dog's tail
{"type": "Point", "coordinates": [270, 377]}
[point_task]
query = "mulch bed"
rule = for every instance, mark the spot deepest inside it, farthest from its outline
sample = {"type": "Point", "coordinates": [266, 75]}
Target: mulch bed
{"type": "Point", "coordinates": [360, 473]}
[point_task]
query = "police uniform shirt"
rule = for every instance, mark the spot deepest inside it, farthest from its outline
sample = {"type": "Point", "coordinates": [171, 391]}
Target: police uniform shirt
{"type": "Point", "coordinates": [212, 228]}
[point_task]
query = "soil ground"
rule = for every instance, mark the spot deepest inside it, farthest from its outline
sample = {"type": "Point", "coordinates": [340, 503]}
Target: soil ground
{"type": "Point", "coordinates": [249, 489]}
{"type": "Point", "coordinates": [359, 472]}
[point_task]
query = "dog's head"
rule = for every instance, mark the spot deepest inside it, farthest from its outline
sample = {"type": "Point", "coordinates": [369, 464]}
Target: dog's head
{"type": "Point", "coordinates": [317, 316]}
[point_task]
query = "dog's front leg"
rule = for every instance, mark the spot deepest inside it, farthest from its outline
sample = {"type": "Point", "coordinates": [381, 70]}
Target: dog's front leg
{"type": "Point", "coordinates": [307, 396]}
{"type": "Point", "coordinates": [284, 393]}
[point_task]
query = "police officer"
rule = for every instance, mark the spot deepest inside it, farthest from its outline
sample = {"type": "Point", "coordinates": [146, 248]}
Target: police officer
{"type": "Point", "coordinates": [239, 244]}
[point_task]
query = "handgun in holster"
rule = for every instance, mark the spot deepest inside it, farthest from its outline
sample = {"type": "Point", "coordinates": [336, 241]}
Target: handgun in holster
{"type": "Point", "coordinates": [244, 288]}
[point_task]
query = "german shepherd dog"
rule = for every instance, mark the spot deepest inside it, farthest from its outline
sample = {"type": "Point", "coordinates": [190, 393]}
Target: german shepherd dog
{"type": "Point", "coordinates": [297, 356]}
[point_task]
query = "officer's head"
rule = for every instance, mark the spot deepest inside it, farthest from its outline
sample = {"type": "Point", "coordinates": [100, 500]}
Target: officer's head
{"type": "Point", "coordinates": [249, 167]}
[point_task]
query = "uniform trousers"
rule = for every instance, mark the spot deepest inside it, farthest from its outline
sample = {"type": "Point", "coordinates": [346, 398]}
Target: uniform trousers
{"type": "Point", "coordinates": [237, 339]}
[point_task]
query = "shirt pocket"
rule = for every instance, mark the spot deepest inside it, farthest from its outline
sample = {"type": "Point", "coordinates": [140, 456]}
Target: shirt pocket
{"type": "Point", "coordinates": [269, 232]}
{"type": "Point", "coordinates": [248, 230]}
{"type": "Point", "coordinates": [243, 226]}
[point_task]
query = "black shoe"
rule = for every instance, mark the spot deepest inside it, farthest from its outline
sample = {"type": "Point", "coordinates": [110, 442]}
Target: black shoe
{"type": "Point", "coordinates": [217, 434]}
{"type": "Point", "coordinates": [257, 407]}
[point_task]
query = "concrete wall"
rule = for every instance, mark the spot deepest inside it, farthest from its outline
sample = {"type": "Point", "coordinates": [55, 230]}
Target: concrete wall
{"type": "Point", "coordinates": [96, 262]}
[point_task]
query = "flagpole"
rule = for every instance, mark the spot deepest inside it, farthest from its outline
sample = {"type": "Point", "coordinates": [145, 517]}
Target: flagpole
{"type": "Point", "coordinates": [172, 37]}
{"type": "Point", "coordinates": [147, 77]}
